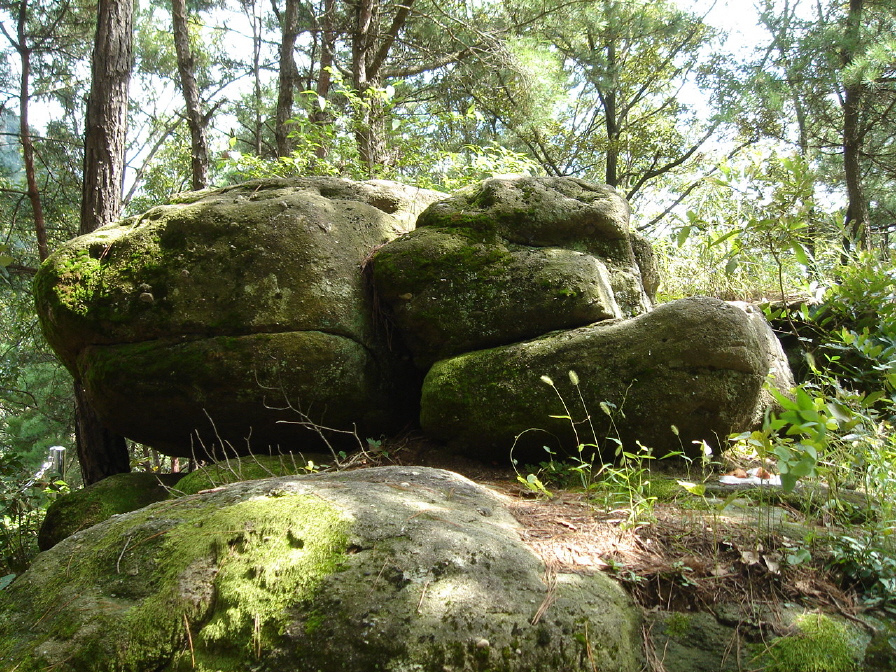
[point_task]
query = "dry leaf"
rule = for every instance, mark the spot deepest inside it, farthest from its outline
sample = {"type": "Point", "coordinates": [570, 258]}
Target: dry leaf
{"type": "Point", "coordinates": [749, 557]}
{"type": "Point", "coordinates": [763, 474]}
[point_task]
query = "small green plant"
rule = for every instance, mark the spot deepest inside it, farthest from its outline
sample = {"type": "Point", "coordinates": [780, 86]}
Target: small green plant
{"type": "Point", "coordinates": [677, 624]}
{"type": "Point", "coordinates": [869, 563]}
{"type": "Point", "coordinates": [623, 487]}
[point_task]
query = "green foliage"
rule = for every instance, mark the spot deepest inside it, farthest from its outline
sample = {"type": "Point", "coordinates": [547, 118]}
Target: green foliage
{"type": "Point", "coordinates": [328, 146]}
{"type": "Point", "coordinates": [756, 231]}
{"type": "Point", "coordinates": [869, 565]}
{"type": "Point", "coordinates": [23, 503]}
{"type": "Point", "coordinates": [852, 330]}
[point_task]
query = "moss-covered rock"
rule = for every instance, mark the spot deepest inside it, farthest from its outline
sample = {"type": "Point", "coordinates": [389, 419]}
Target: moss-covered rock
{"type": "Point", "coordinates": [779, 639]}
{"type": "Point", "coordinates": [541, 212]}
{"type": "Point", "coordinates": [817, 643]}
{"type": "Point", "coordinates": [165, 299]}
{"type": "Point", "coordinates": [381, 569]}
{"type": "Point", "coordinates": [452, 291]}
{"type": "Point", "coordinates": [698, 642]}
{"type": "Point", "coordinates": [512, 259]}
{"type": "Point", "coordinates": [116, 494]}
{"type": "Point", "coordinates": [250, 468]}
{"type": "Point", "coordinates": [187, 397]}
{"type": "Point", "coordinates": [699, 364]}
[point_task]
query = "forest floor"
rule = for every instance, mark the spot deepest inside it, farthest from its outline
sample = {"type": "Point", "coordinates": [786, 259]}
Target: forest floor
{"type": "Point", "coordinates": [682, 552]}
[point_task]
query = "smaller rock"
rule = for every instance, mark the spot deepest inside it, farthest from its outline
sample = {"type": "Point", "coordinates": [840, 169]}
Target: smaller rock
{"type": "Point", "coordinates": [112, 496]}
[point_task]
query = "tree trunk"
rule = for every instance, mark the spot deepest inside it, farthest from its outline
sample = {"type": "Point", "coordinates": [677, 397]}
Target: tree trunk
{"type": "Point", "coordinates": [289, 77]}
{"type": "Point", "coordinates": [857, 216]}
{"type": "Point", "coordinates": [24, 50]}
{"type": "Point", "coordinates": [186, 67]}
{"type": "Point", "coordinates": [249, 7]}
{"type": "Point", "coordinates": [104, 143]}
{"type": "Point", "coordinates": [611, 124]}
{"type": "Point", "coordinates": [101, 452]}
{"type": "Point", "coordinates": [369, 53]}
{"type": "Point", "coordinates": [327, 47]}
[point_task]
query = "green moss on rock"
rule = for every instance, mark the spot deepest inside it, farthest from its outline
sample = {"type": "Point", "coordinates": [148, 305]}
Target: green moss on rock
{"type": "Point", "coordinates": [248, 468]}
{"type": "Point", "coordinates": [393, 568]}
{"type": "Point", "coordinates": [218, 582]}
{"type": "Point", "coordinates": [820, 644]}
{"type": "Point", "coordinates": [84, 508]}
{"type": "Point", "coordinates": [268, 258]}
{"type": "Point", "coordinates": [697, 364]}
{"type": "Point", "coordinates": [227, 395]}
{"type": "Point", "coordinates": [455, 290]}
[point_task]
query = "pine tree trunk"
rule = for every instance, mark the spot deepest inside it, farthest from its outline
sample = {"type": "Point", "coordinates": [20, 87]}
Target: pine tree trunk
{"type": "Point", "coordinates": [857, 216]}
{"type": "Point", "coordinates": [324, 80]}
{"type": "Point", "coordinates": [289, 77]}
{"type": "Point", "coordinates": [186, 67]}
{"type": "Point", "coordinates": [101, 452]}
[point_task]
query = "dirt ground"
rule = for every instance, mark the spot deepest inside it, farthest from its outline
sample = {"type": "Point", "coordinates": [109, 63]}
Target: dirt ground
{"type": "Point", "coordinates": [687, 553]}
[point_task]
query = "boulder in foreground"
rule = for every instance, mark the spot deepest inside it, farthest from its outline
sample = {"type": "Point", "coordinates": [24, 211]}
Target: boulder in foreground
{"type": "Point", "coordinates": [390, 568]}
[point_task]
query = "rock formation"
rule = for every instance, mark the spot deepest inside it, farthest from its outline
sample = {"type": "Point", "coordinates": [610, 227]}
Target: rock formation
{"type": "Point", "coordinates": [698, 364]}
{"type": "Point", "coordinates": [521, 278]}
{"type": "Point", "coordinates": [198, 323]}
{"type": "Point", "coordinates": [508, 260]}
{"type": "Point", "coordinates": [216, 323]}
{"type": "Point", "coordinates": [389, 568]}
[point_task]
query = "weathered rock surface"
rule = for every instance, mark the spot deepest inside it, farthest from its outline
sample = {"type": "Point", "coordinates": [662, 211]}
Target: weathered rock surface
{"type": "Point", "coordinates": [238, 321]}
{"type": "Point", "coordinates": [511, 259]}
{"type": "Point", "coordinates": [699, 364]}
{"type": "Point", "coordinates": [381, 569]}
{"type": "Point", "coordinates": [779, 637]}
{"type": "Point", "coordinates": [227, 305]}
{"type": "Point", "coordinates": [85, 508]}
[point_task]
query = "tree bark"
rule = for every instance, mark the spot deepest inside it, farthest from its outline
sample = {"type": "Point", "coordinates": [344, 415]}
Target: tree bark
{"type": "Point", "coordinates": [324, 79]}
{"type": "Point", "coordinates": [611, 124]}
{"type": "Point", "coordinates": [369, 54]}
{"type": "Point", "coordinates": [100, 451]}
{"type": "Point", "coordinates": [251, 10]}
{"type": "Point", "coordinates": [857, 216]}
{"type": "Point", "coordinates": [289, 77]}
{"type": "Point", "coordinates": [20, 43]}
{"type": "Point", "coordinates": [106, 123]}
{"type": "Point", "coordinates": [186, 67]}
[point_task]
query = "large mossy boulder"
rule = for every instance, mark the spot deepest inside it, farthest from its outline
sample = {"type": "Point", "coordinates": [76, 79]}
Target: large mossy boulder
{"type": "Point", "coordinates": [120, 493]}
{"type": "Point", "coordinates": [197, 323]}
{"type": "Point", "coordinates": [511, 259]}
{"type": "Point", "coordinates": [699, 364]}
{"type": "Point", "coordinates": [381, 569]}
